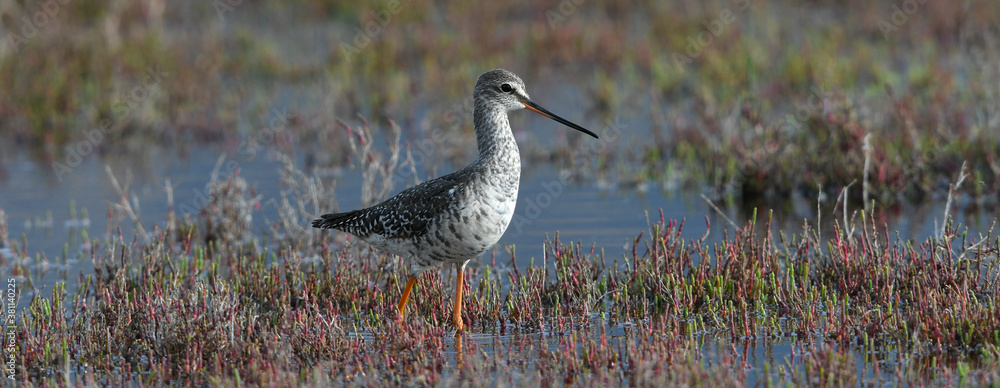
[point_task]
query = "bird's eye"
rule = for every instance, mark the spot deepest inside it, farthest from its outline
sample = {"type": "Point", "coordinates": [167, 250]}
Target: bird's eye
{"type": "Point", "coordinates": [506, 88]}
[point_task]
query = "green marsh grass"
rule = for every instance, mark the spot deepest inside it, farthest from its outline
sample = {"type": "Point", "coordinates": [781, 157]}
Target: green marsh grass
{"type": "Point", "coordinates": [861, 306]}
{"type": "Point", "coordinates": [205, 301]}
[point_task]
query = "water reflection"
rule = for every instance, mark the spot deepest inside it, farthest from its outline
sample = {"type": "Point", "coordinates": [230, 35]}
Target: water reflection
{"type": "Point", "coordinates": [459, 353]}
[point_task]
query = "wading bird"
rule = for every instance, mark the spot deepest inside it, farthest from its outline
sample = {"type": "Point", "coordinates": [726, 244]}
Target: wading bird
{"type": "Point", "coordinates": [456, 217]}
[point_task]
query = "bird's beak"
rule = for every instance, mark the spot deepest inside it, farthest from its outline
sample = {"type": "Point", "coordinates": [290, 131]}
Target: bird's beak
{"type": "Point", "coordinates": [532, 106]}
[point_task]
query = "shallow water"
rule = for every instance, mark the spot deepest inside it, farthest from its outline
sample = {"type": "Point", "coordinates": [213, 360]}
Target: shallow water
{"type": "Point", "coordinates": [32, 193]}
{"type": "Point", "coordinates": [605, 218]}
{"type": "Point", "coordinates": [38, 204]}
{"type": "Point", "coordinates": [758, 359]}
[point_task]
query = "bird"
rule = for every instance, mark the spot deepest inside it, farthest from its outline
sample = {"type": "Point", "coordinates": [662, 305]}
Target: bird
{"type": "Point", "coordinates": [454, 218]}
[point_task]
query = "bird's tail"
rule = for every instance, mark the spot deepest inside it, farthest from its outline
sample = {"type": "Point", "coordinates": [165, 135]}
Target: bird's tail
{"type": "Point", "coordinates": [333, 221]}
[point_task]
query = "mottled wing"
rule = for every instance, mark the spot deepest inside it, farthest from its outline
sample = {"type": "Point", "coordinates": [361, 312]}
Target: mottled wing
{"type": "Point", "coordinates": [405, 215]}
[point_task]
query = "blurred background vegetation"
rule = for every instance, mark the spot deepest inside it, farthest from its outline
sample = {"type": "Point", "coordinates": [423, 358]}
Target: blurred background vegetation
{"type": "Point", "coordinates": [744, 98]}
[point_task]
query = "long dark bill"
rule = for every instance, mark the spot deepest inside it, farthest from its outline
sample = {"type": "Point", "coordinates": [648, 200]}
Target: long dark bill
{"type": "Point", "coordinates": [532, 106]}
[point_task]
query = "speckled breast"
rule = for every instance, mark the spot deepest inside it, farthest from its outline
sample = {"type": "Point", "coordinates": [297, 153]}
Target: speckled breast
{"type": "Point", "coordinates": [476, 224]}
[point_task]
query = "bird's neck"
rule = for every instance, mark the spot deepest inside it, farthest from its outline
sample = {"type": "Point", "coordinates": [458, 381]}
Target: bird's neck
{"type": "Point", "coordinates": [493, 136]}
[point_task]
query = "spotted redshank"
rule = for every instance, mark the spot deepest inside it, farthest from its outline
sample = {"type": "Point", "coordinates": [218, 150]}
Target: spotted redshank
{"type": "Point", "coordinates": [456, 217]}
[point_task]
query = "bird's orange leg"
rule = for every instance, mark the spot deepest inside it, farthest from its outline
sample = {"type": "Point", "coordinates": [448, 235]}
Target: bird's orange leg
{"type": "Point", "coordinates": [406, 295]}
{"type": "Point", "coordinates": [456, 317]}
